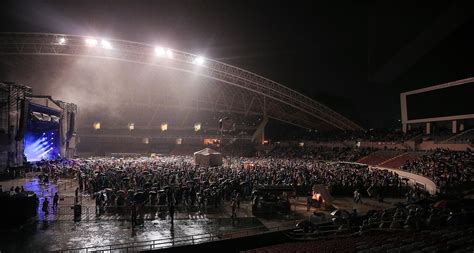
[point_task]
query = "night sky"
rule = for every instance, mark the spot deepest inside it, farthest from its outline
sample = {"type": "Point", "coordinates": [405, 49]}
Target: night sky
{"type": "Point", "coordinates": [356, 58]}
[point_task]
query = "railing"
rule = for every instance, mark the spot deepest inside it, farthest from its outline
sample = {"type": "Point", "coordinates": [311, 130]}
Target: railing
{"type": "Point", "coordinates": [181, 241]}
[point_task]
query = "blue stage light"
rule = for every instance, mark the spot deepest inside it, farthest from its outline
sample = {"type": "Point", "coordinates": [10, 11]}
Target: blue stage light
{"type": "Point", "coordinates": [38, 146]}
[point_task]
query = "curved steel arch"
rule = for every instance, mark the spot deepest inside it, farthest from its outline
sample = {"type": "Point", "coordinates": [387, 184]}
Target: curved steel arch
{"type": "Point", "coordinates": [128, 51]}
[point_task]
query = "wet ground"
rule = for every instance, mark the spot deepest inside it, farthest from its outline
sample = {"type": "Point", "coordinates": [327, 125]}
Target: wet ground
{"type": "Point", "coordinates": [57, 230]}
{"type": "Point", "coordinates": [60, 235]}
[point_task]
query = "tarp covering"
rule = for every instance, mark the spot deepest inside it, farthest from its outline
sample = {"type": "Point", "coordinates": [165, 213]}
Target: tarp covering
{"type": "Point", "coordinates": [207, 158]}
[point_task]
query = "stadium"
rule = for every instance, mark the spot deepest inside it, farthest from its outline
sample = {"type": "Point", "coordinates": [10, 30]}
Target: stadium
{"type": "Point", "coordinates": [126, 145]}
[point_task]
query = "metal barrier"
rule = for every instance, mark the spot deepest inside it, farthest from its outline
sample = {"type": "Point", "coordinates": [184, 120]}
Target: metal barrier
{"type": "Point", "coordinates": [180, 241]}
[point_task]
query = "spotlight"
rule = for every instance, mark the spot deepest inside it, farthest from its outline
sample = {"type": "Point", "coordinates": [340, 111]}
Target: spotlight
{"type": "Point", "coordinates": [106, 44]}
{"type": "Point", "coordinates": [62, 41]}
{"type": "Point", "coordinates": [169, 53]}
{"type": "Point", "coordinates": [164, 127]}
{"type": "Point", "coordinates": [131, 126]}
{"type": "Point", "coordinates": [198, 60]}
{"type": "Point", "coordinates": [159, 51]}
{"type": "Point", "coordinates": [44, 133]}
{"type": "Point", "coordinates": [91, 42]}
{"type": "Point", "coordinates": [197, 126]}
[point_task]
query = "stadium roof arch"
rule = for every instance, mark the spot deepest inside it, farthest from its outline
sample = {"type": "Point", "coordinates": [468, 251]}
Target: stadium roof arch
{"type": "Point", "coordinates": [256, 94]}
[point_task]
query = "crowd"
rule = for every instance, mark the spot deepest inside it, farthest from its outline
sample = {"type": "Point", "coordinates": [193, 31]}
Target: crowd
{"type": "Point", "coordinates": [379, 135]}
{"type": "Point", "coordinates": [320, 153]}
{"type": "Point", "coordinates": [175, 180]}
{"type": "Point", "coordinates": [446, 168]}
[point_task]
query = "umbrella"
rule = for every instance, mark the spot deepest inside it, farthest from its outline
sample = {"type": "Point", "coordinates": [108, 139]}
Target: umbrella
{"type": "Point", "coordinates": [139, 197]}
{"type": "Point", "coordinates": [304, 223]}
{"type": "Point", "coordinates": [340, 212]}
{"type": "Point", "coordinates": [441, 204]}
{"type": "Point", "coordinates": [413, 206]}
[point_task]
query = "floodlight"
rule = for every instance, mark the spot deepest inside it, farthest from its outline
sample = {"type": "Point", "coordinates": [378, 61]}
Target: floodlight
{"type": "Point", "coordinates": [160, 51]}
{"type": "Point", "coordinates": [62, 41]}
{"type": "Point", "coordinates": [91, 42]}
{"type": "Point", "coordinates": [169, 53]}
{"type": "Point", "coordinates": [106, 44]}
{"type": "Point", "coordinates": [198, 60]}
{"type": "Point", "coordinates": [164, 127]}
{"type": "Point", "coordinates": [197, 126]}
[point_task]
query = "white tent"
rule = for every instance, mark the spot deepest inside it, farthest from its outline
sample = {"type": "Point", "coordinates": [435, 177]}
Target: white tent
{"type": "Point", "coordinates": [207, 158]}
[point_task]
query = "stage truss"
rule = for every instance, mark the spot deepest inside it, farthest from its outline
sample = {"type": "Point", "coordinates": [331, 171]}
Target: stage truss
{"type": "Point", "coordinates": [272, 99]}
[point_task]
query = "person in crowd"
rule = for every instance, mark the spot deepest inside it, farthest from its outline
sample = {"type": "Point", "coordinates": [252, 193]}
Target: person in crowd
{"type": "Point", "coordinates": [55, 201]}
{"type": "Point", "coordinates": [233, 205]}
{"type": "Point", "coordinates": [45, 206]}
{"type": "Point", "coordinates": [237, 199]}
{"type": "Point", "coordinates": [171, 212]}
{"type": "Point", "coordinates": [309, 199]}
{"type": "Point", "coordinates": [76, 196]}
{"type": "Point", "coordinates": [357, 197]}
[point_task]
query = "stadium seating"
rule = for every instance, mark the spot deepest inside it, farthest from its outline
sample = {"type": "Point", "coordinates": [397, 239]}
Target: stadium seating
{"type": "Point", "coordinates": [454, 239]}
{"type": "Point", "coordinates": [379, 157]}
{"type": "Point", "coordinates": [397, 161]}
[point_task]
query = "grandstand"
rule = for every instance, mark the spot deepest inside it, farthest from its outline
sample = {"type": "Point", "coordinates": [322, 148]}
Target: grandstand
{"type": "Point", "coordinates": [171, 89]}
{"type": "Point", "coordinates": [160, 149]}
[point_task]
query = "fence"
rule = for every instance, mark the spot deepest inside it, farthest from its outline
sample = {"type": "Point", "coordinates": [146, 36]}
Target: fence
{"type": "Point", "coordinates": [180, 241]}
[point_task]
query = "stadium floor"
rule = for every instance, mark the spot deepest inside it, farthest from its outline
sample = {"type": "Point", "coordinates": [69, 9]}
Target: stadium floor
{"type": "Point", "coordinates": [57, 230]}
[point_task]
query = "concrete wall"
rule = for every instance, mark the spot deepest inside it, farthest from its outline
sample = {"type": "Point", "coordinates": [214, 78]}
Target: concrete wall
{"type": "Point", "coordinates": [427, 183]}
{"type": "Point", "coordinates": [383, 145]}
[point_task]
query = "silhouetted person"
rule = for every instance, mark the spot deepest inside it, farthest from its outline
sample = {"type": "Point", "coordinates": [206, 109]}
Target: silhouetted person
{"type": "Point", "coordinates": [134, 215]}
{"type": "Point", "coordinates": [234, 208]}
{"type": "Point", "coordinates": [55, 201]}
{"type": "Point", "coordinates": [308, 203]}
{"type": "Point", "coordinates": [45, 205]}
{"type": "Point", "coordinates": [76, 194]}
{"type": "Point", "coordinates": [171, 210]}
